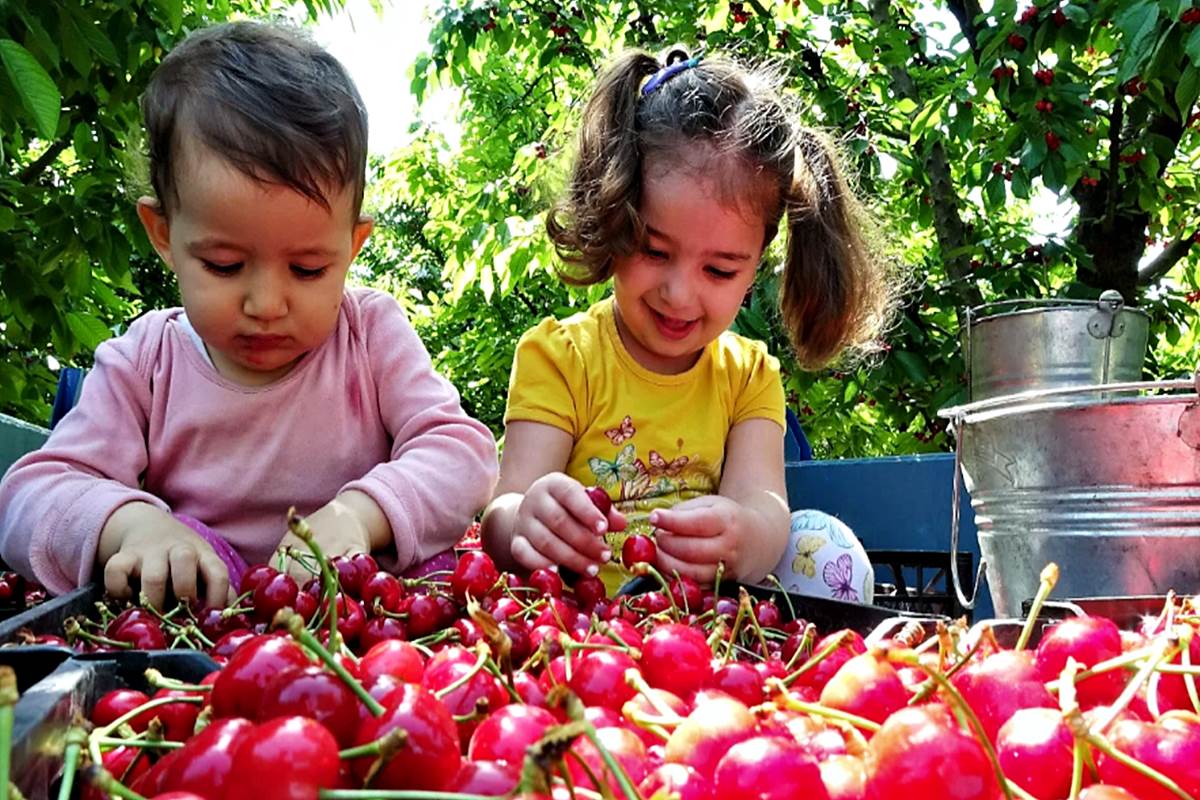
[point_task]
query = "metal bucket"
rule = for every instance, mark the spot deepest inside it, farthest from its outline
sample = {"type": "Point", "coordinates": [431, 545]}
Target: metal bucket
{"type": "Point", "coordinates": [1018, 345]}
{"type": "Point", "coordinates": [1107, 487]}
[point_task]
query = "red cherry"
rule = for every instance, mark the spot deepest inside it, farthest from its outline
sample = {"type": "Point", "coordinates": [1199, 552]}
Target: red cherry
{"type": "Point", "coordinates": [479, 695]}
{"type": "Point", "coordinates": [505, 734]}
{"type": "Point", "coordinates": [676, 658]}
{"type": "Point", "coordinates": [204, 764]}
{"type": "Point", "coordinates": [768, 768]}
{"type": "Point", "coordinates": [1000, 685]}
{"type": "Point", "coordinates": [715, 725]}
{"type": "Point", "coordinates": [622, 744]}
{"type": "Point", "coordinates": [599, 679]}
{"type": "Point", "coordinates": [385, 588]}
{"type": "Point", "coordinates": [546, 582]}
{"type": "Point", "coordinates": [589, 590]}
{"type": "Point", "coordinates": [1171, 746]}
{"type": "Point", "coordinates": [178, 719]}
{"type": "Point", "coordinates": [922, 752]}
{"type": "Point", "coordinates": [740, 680]}
{"type": "Point", "coordinates": [430, 756]}
{"type": "Point", "coordinates": [399, 659]}
{"type": "Point", "coordinates": [317, 694]}
{"type": "Point", "coordinates": [277, 592]}
{"type": "Point", "coordinates": [851, 644]}
{"type": "Point", "coordinates": [600, 499]}
{"type": "Point", "coordinates": [475, 574]}
{"type": "Point", "coordinates": [1089, 640]}
{"type": "Point", "coordinates": [768, 614]}
{"type": "Point", "coordinates": [143, 635]}
{"type": "Point", "coordinates": [868, 686]}
{"type": "Point", "coordinates": [255, 577]}
{"type": "Point", "coordinates": [1035, 749]}
{"type": "Point", "coordinates": [228, 644]}
{"type": "Point", "coordinates": [688, 595]}
{"type": "Point", "coordinates": [1052, 140]}
{"type": "Point", "coordinates": [286, 759]}
{"type": "Point", "coordinates": [237, 690]}
{"type": "Point", "coordinates": [118, 703]}
{"type": "Point", "coordinates": [638, 549]}
{"type": "Point", "coordinates": [126, 764]}
{"type": "Point", "coordinates": [350, 579]}
{"type": "Point", "coordinates": [486, 778]}
{"type": "Point", "coordinates": [129, 615]}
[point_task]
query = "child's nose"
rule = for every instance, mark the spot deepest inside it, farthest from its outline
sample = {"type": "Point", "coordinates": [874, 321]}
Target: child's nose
{"type": "Point", "coordinates": [677, 289]}
{"type": "Point", "coordinates": [265, 298]}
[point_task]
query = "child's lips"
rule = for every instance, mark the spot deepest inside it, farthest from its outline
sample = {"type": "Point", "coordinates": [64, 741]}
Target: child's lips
{"type": "Point", "coordinates": [263, 341]}
{"type": "Point", "coordinates": [672, 327]}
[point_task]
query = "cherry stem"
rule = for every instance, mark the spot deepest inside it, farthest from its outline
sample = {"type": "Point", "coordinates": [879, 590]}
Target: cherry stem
{"type": "Point", "coordinates": [928, 687]}
{"type": "Point", "coordinates": [74, 630]}
{"type": "Point", "coordinates": [818, 710]}
{"type": "Point", "coordinates": [1076, 770]}
{"type": "Point", "coordinates": [160, 681]}
{"type": "Point", "coordinates": [965, 709]}
{"type": "Point", "coordinates": [1047, 581]}
{"type": "Point", "coordinates": [76, 739]}
{"type": "Point", "coordinates": [482, 654]}
{"type": "Point", "coordinates": [1163, 651]}
{"type": "Point", "coordinates": [735, 631]}
{"type": "Point", "coordinates": [293, 623]}
{"type": "Point", "coordinates": [787, 598]}
{"type": "Point", "coordinates": [299, 526]}
{"type": "Point", "coordinates": [103, 780]}
{"type": "Point", "coordinates": [112, 741]}
{"type": "Point", "coordinates": [605, 790]}
{"type": "Point", "coordinates": [1189, 681]}
{"type": "Point", "coordinates": [107, 730]}
{"type": "Point", "coordinates": [8, 701]}
{"type": "Point", "coordinates": [1079, 728]}
{"type": "Point", "coordinates": [634, 678]}
{"type": "Point", "coordinates": [645, 568]}
{"type": "Point", "coordinates": [387, 744]}
{"type": "Point", "coordinates": [806, 642]}
{"type": "Point", "coordinates": [606, 630]}
{"type": "Point", "coordinates": [817, 658]}
{"type": "Point", "coordinates": [627, 788]}
{"type": "Point", "coordinates": [744, 597]}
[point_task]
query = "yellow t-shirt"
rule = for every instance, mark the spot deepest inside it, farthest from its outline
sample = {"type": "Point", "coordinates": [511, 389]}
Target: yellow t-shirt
{"type": "Point", "coordinates": [651, 440]}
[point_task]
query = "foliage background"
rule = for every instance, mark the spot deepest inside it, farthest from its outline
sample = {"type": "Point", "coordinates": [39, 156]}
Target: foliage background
{"type": "Point", "coordinates": [953, 116]}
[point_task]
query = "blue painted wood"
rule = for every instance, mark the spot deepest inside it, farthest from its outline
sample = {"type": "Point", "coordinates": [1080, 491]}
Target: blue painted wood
{"type": "Point", "coordinates": [17, 438]}
{"type": "Point", "coordinates": [891, 503]}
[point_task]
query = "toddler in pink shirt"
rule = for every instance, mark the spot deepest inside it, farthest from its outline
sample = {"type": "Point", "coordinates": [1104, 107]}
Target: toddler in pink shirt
{"type": "Point", "coordinates": [274, 385]}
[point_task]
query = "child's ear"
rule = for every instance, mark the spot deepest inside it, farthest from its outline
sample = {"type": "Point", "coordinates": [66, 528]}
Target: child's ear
{"type": "Point", "coordinates": [358, 236]}
{"type": "Point", "coordinates": [158, 229]}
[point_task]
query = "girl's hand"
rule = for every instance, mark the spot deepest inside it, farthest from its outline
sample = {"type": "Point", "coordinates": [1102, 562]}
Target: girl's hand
{"type": "Point", "coordinates": [143, 541]}
{"type": "Point", "coordinates": [350, 523]}
{"type": "Point", "coordinates": [557, 524]}
{"type": "Point", "coordinates": [694, 536]}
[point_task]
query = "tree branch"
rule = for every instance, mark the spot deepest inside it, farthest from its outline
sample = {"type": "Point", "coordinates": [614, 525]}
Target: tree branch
{"type": "Point", "coordinates": [1171, 255]}
{"type": "Point", "coordinates": [965, 11]}
{"type": "Point", "coordinates": [34, 169]}
{"type": "Point", "coordinates": [1115, 120]}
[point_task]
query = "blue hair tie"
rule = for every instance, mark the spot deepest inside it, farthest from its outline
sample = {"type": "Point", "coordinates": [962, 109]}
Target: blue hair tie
{"type": "Point", "coordinates": [666, 73]}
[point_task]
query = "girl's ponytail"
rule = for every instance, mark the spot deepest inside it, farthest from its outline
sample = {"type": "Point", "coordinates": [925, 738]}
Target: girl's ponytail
{"type": "Point", "coordinates": [597, 217]}
{"type": "Point", "coordinates": [835, 292]}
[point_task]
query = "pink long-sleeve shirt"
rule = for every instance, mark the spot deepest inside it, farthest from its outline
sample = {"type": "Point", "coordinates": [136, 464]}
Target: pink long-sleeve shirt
{"type": "Point", "coordinates": [157, 423]}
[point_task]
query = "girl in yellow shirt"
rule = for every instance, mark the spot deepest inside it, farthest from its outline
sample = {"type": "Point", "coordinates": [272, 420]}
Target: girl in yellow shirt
{"type": "Point", "coordinates": [684, 173]}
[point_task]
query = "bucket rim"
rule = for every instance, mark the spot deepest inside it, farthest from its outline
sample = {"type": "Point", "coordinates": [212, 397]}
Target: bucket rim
{"type": "Point", "coordinates": [1053, 399]}
{"type": "Point", "coordinates": [990, 311]}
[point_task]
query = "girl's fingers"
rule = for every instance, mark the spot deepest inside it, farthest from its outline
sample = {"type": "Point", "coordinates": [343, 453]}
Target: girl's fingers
{"type": "Point", "coordinates": [216, 580]}
{"type": "Point", "coordinates": [154, 571]}
{"type": "Point", "coordinates": [184, 564]}
{"type": "Point", "coordinates": [668, 565]}
{"type": "Point", "coordinates": [117, 573]}
{"type": "Point", "coordinates": [692, 549]}
{"type": "Point", "coordinates": [563, 522]}
{"type": "Point", "coordinates": [527, 555]}
{"type": "Point", "coordinates": [695, 521]}
{"type": "Point", "coordinates": [559, 550]}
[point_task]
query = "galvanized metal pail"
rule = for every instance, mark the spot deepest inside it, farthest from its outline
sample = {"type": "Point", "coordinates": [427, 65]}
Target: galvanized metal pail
{"type": "Point", "coordinates": [1102, 480]}
{"type": "Point", "coordinates": [1018, 345]}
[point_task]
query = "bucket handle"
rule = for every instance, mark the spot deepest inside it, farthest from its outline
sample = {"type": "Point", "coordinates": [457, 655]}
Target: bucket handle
{"type": "Point", "coordinates": [955, 517]}
{"type": "Point", "coordinates": [960, 413]}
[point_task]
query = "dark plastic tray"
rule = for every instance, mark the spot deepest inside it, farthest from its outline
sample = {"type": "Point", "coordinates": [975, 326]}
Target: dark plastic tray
{"type": "Point", "coordinates": [46, 710]}
{"type": "Point", "coordinates": [50, 615]}
{"type": "Point", "coordinates": [830, 615]}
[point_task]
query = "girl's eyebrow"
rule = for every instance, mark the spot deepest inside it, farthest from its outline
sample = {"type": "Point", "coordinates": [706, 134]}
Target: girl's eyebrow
{"type": "Point", "coordinates": [217, 243]}
{"type": "Point", "coordinates": [725, 255]}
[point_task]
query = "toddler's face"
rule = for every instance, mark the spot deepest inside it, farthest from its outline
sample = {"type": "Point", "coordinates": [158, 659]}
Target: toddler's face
{"type": "Point", "coordinates": [261, 267]}
{"type": "Point", "coordinates": [684, 288]}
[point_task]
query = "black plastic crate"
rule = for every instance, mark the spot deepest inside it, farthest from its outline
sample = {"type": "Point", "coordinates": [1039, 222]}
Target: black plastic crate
{"type": "Point", "coordinates": [919, 581]}
{"type": "Point", "coordinates": [46, 710]}
{"type": "Point", "coordinates": [49, 616]}
{"type": "Point", "coordinates": [828, 614]}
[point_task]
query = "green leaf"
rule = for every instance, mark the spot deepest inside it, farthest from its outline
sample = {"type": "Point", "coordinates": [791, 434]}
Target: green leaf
{"type": "Point", "coordinates": [1188, 88]}
{"type": "Point", "coordinates": [96, 40]}
{"type": "Point", "coordinates": [87, 329]}
{"type": "Point", "coordinates": [8, 218]}
{"type": "Point", "coordinates": [74, 46]}
{"type": "Point", "coordinates": [1192, 48]}
{"type": "Point", "coordinates": [1138, 23]}
{"type": "Point", "coordinates": [913, 365]}
{"type": "Point", "coordinates": [1054, 172]}
{"type": "Point", "coordinates": [173, 9]}
{"type": "Point", "coordinates": [39, 95]}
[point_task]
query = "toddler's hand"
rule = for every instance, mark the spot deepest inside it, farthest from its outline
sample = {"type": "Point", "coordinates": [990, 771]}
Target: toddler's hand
{"type": "Point", "coordinates": [696, 535]}
{"type": "Point", "coordinates": [140, 540]}
{"type": "Point", "coordinates": [338, 529]}
{"type": "Point", "coordinates": [558, 524]}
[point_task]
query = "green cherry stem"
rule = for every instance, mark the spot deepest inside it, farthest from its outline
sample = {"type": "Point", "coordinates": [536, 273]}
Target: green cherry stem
{"type": "Point", "coordinates": [389, 743]}
{"type": "Point", "coordinates": [160, 681]}
{"type": "Point", "coordinates": [293, 623]}
{"type": "Point", "coordinates": [816, 709]}
{"type": "Point", "coordinates": [8, 702]}
{"type": "Point", "coordinates": [1047, 581]}
{"type": "Point", "coordinates": [299, 526]}
{"type": "Point", "coordinates": [817, 658]}
{"type": "Point", "coordinates": [76, 740]}
{"type": "Point", "coordinates": [482, 654]}
{"type": "Point", "coordinates": [106, 783]}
